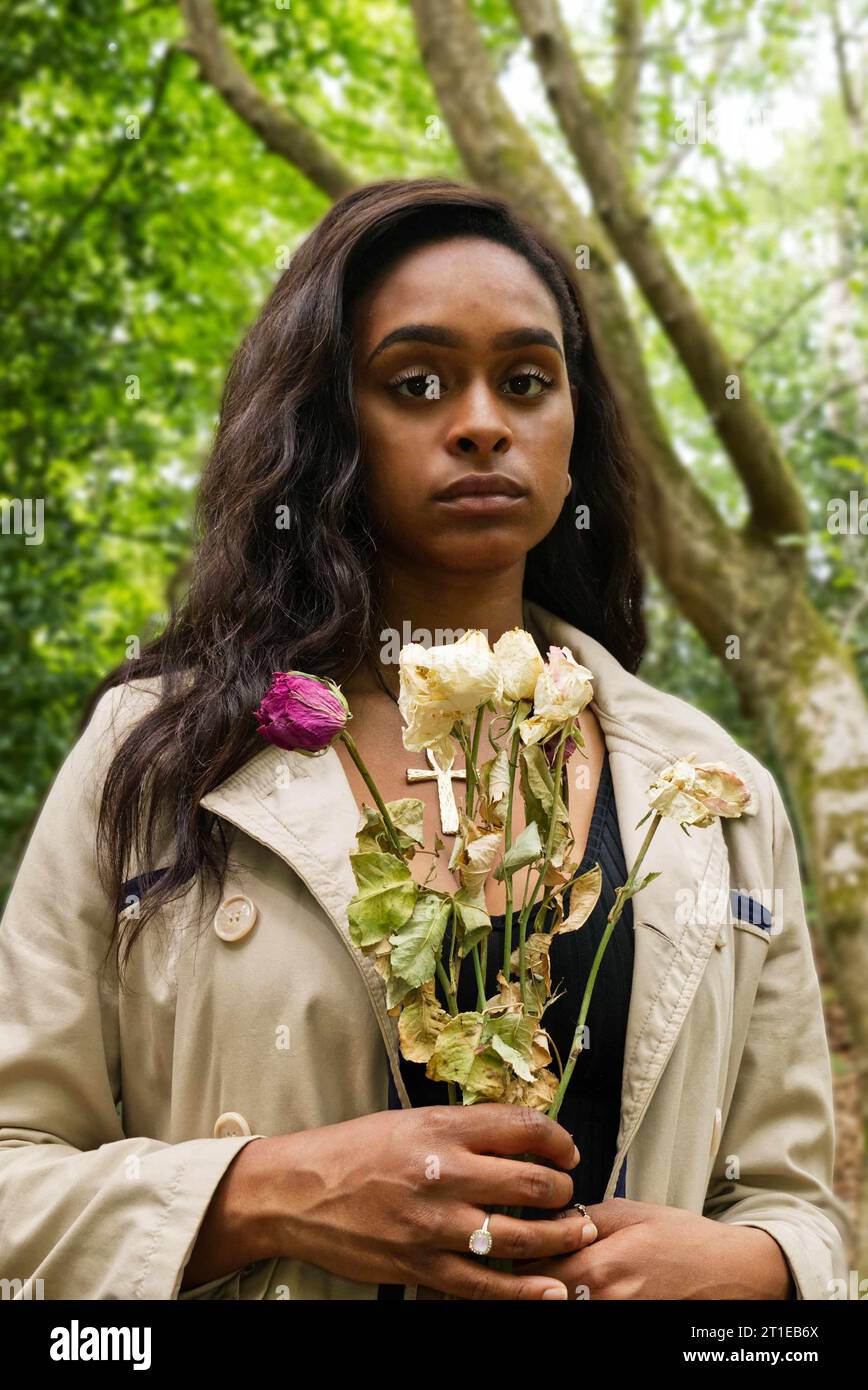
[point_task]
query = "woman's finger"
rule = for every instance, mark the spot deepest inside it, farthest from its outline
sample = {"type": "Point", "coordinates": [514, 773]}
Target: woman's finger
{"type": "Point", "coordinates": [515, 1239]}
{"type": "Point", "coordinates": [488, 1181]}
{"type": "Point", "coordinates": [492, 1127]}
{"type": "Point", "coordinates": [472, 1279]}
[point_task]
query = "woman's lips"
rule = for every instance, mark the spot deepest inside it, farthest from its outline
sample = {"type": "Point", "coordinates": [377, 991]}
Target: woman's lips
{"type": "Point", "coordinates": [479, 502]}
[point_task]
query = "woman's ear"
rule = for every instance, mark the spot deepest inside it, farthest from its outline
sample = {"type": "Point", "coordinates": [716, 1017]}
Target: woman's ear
{"type": "Point", "coordinates": [574, 396]}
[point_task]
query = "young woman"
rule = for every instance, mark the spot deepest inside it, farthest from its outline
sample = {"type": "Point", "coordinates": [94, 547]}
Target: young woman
{"type": "Point", "coordinates": [201, 1094]}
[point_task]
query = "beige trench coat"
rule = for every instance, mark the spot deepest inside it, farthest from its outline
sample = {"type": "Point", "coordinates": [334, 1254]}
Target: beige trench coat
{"type": "Point", "coordinates": [726, 1105]}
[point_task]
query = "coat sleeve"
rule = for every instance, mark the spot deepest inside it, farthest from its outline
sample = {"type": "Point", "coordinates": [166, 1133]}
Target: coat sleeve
{"type": "Point", "coordinates": [779, 1134]}
{"type": "Point", "coordinates": [89, 1212]}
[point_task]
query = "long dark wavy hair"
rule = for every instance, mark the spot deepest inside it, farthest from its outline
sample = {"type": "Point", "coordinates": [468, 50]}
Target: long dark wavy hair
{"type": "Point", "coordinates": [265, 597]}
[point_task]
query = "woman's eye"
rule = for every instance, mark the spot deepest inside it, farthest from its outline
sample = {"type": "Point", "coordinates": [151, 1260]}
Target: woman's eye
{"type": "Point", "coordinates": [529, 383]}
{"type": "Point", "coordinates": [419, 385]}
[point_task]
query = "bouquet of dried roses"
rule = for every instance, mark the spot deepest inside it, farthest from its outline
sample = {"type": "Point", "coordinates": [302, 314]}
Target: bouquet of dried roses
{"type": "Point", "coordinates": [419, 937]}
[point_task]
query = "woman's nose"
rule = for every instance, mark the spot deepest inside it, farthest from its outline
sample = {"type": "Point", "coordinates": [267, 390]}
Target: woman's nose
{"type": "Point", "coordinates": [478, 426]}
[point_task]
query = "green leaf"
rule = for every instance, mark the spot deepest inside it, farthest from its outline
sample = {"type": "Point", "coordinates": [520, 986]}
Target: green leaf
{"type": "Point", "coordinates": [511, 1036]}
{"type": "Point", "coordinates": [396, 991]}
{"type": "Point", "coordinates": [416, 945]}
{"type": "Point", "coordinates": [473, 921]}
{"type": "Point", "coordinates": [421, 1022]}
{"type": "Point", "coordinates": [626, 892]}
{"type": "Point", "coordinates": [525, 849]}
{"type": "Point", "coordinates": [460, 1056]}
{"type": "Point", "coordinates": [520, 714]}
{"type": "Point", "coordinates": [406, 816]}
{"type": "Point", "coordinates": [646, 880]}
{"type": "Point", "coordinates": [387, 893]}
{"type": "Point", "coordinates": [537, 789]}
{"type": "Point", "coordinates": [538, 776]}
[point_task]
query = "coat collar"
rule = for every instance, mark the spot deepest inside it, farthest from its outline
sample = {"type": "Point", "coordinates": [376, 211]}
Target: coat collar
{"type": "Point", "coordinates": [304, 810]}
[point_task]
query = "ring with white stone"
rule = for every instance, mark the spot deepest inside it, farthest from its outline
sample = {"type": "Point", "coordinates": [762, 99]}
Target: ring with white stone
{"type": "Point", "coordinates": [482, 1240]}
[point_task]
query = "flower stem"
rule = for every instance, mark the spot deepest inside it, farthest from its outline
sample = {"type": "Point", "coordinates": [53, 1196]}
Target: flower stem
{"type": "Point", "coordinates": [452, 1005]}
{"type": "Point", "coordinates": [480, 979]}
{"type": "Point", "coordinates": [471, 762]}
{"type": "Point", "coordinates": [372, 787]}
{"type": "Point", "coordinates": [451, 1002]}
{"type": "Point", "coordinates": [507, 934]}
{"type": "Point", "coordinates": [459, 732]}
{"type": "Point", "coordinates": [528, 908]}
{"type": "Point", "coordinates": [621, 896]}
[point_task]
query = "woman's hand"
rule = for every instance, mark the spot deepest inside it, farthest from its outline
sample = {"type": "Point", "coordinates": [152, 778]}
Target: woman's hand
{"type": "Point", "coordinates": [393, 1197]}
{"type": "Point", "coordinates": [647, 1251]}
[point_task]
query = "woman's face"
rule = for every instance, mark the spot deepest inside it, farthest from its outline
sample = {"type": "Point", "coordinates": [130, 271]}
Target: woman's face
{"type": "Point", "coordinates": [460, 380]}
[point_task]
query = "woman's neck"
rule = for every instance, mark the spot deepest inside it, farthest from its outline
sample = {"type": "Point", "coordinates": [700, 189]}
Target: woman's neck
{"type": "Point", "coordinates": [379, 670]}
{"type": "Point", "coordinates": [435, 608]}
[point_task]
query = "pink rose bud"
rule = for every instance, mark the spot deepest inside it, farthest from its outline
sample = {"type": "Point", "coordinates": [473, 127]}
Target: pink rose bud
{"type": "Point", "coordinates": [301, 713]}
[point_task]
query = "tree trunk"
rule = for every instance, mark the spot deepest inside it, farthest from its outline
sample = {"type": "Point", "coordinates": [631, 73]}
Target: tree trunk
{"type": "Point", "coordinates": [802, 684]}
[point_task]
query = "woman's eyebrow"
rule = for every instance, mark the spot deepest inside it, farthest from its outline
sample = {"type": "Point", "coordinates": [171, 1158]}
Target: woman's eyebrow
{"type": "Point", "coordinates": [447, 337]}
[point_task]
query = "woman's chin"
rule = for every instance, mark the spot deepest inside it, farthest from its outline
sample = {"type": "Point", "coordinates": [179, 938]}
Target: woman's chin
{"type": "Point", "coordinates": [476, 549]}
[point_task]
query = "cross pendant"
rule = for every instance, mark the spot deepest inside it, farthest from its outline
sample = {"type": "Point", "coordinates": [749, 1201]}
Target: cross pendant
{"type": "Point", "coordinates": [448, 808]}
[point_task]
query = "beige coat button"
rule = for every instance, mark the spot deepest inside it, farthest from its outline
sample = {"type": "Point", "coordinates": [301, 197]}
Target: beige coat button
{"type": "Point", "coordinates": [721, 938]}
{"type": "Point", "coordinates": [230, 1125]}
{"type": "Point", "coordinates": [716, 1129]}
{"type": "Point", "coordinates": [234, 918]}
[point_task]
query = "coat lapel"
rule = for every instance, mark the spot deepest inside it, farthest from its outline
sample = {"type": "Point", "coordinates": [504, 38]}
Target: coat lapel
{"type": "Point", "coordinates": [304, 810]}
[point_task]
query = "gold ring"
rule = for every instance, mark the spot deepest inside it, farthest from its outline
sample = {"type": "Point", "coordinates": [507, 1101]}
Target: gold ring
{"type": "Point", "coordinates": [481, 1240]}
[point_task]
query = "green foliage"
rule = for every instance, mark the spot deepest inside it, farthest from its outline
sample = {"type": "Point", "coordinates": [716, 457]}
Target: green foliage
{"type": "Point", "coordinates": [145, 223]}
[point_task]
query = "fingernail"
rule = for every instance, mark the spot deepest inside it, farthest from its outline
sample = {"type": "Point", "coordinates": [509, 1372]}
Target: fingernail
{"type": "Point", "coordinates": [589, 1233]}
{"type": "Point", "coordinates": [559, 1292]}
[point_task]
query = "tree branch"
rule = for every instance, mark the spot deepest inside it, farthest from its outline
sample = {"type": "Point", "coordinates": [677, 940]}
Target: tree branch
{"type": "Point", "coordinates": [783, 319]}
{"type": "Point", "coordinates": [849, 101]}
{"type": "Point", "coordinates": [624, 123]}
{"type": "Point", "coordinates": [678, 154]}
{"type": "Point", "coordinates": [279, 131]}
{"type": "Point", "coordinates": [776, 502]}
{"type": "Point", "coordinates": [698, 557]}
{"type": "Point", "coordinates": [793, 427]}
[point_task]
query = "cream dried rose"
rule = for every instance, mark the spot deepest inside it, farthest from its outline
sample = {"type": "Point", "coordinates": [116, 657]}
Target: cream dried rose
{"type": "Point", "coordinates": [520, 664]}
{"type": "Point", "coordinates": [562, 691]}
{"type": "Point", "coordinates": [442, 685]}
{"type": "Point", "coordinates": [697, 793]}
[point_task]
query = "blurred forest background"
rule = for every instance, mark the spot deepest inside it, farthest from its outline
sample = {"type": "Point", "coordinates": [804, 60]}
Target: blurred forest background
{"type": "Point", "coordinates": [703, 165]}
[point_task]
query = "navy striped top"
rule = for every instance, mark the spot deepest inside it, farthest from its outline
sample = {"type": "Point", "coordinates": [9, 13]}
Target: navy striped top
{"type": "Point", "coordinates": [591, 1108]}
